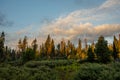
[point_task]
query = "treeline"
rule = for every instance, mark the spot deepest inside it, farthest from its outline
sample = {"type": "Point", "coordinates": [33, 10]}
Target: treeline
{"type": "Point", "coordinates": [96, 52]}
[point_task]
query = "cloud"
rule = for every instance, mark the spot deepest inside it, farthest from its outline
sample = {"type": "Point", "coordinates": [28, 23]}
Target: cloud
{"type": "Point", "coordinates": [110, 3]}
{"type": "Point", "coordinates": [25, 30]}
{"type": "Point", "coordinates": [4, 22]}
{"type": "Point", "coordinates": [86, 30]}
{"type": "Point", "coordinates": [108, 10]}
{"type": "Point", "coordinates": [79, 24]}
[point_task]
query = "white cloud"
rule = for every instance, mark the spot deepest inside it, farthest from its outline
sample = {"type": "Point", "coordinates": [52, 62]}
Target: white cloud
{"type": "Point", "coordinates": [86, 30]}
{"type": "Point", "coordinates": [78, 24]}
{"type": "Point", "coordinates": [110, 4]}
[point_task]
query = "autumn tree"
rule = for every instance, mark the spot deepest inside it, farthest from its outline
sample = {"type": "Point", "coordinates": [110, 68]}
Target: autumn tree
{"type": "Point", "coordinates": [116, 48]}
{"type": "Point", "coordinates": [48, 46]}
{"type": "Point", "coordinates": [22, 45]}
{"type": "Point", "coordinates": [79, 49]}
{"type": "Point", "coordinates": [68, 49]}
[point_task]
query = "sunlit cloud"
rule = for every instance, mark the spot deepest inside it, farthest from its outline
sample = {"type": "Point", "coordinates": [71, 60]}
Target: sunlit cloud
{"type": "Point", "coordinates": [79, 24]}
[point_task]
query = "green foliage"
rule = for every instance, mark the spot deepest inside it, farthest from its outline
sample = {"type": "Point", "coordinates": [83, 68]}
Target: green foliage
{"type": "Point", "coordinates": [91, 55]}
{"type": "Point", "coordinates": [116, 48]}
{"type": "Point", "coordinates": [99, 52]}
{"type": "Point", "coordinates": [98, 72]}
{"type": "Point", "coordinates": [34, 45]}
{"type": "Point", "coordinates": [53, 63]}
{"type": "Point", "coordinates": [2, 40]}
{"type": "Point", "coordinates": [50, 63]}
{"type": "Point", "coordinates": [102, 51]}
{"type": "Point", "coordinates": [28, 55]}
{"type": "Point", "coordinates": [42, 70]}
{"type": "Point", "coordinates": [25, 73]}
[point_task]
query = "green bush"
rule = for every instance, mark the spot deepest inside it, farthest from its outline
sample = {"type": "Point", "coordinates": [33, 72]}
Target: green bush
{"type": "Point", "coordinates": [63, 70]}
{"type": "Point", "coordinates": [94, 71]}
{"type": "Point", "coordinates": [51, 63]}
{"type": "Point", "coordinates": [24, 73]}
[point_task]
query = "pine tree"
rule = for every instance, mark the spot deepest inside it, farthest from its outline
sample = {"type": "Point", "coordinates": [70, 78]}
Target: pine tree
{"type": "Point", "coordinates": [2, 40]}
{"type": "Point", "coordinates": [43, 53]}
{"type": "Point", "coordinates": [24, 44]}
{"type": "Point", "coordinates": [63, 48]}
{"type": "Point", "coordinates": [58, 51]}
{"type": "Point", "coordinates": [52, 49]}
{"type": "Point", "coordinates": [20, 45]}
{"type": "Point", "coordinates": [28, 54]}
{"type": "Point", "coordinates": [116, 48]}
{"type": "Point", "coordinates": [79, 49]}
{"type": "Point", "coordinates": [34, 45]}
{"type": "Point", "coordinates": [115, 51]}
{"type": "Point", "coordinates": [73, 51]}
{"type": "Point", "coordinates": [13, 55]}
{"type": "Point", "coordinates": [86, 46]}
{"type": "Point", "coordinates": [91, 55]}
{"type": "Point", "coordinates": [68, 49]}
{"type": "Point", "coordinates": [102, 51]}
{"type": "Point", "coordinates": [48, 46]}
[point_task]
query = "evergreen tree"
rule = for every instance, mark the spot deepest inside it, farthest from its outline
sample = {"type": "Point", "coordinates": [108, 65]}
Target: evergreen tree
{"type": "Point", "coordinates": [91, 55]}
{"type": "Point", "coordinates": [68, 49]}
{"type": "Point", "coordinates": [63, 48]}
{"type": "Point", "coordinates": [86, 46]}
{"type": "Point", "coordinates": [34, 45]}
{"type": "Point", "coordinates": [52, 49]}
{"type": "Point", "coordinates": [13, 55]}
{"type": "Point", "coordinates": [48, 46]}
{"type": "Point", "coordinates": [73, 51]}
{"type": "Point", "coordinates": [20, 45]}
{"type": "Point", "coordinates": [43, 53]}
{"type": "Point", "coordinates": [115, 51]}
{"type": "Point", "coordinates": [28, 55]}
{"type": "Point", "coordinates": [24, 44]}
{"type": "Point", "coordinates": [102, 51]}
{"type": "Point", "coordinates": [116, 48]}
{"type": "Point", "coordinates": [58, 50]}
{"type": "Point", "coordinates": [79, 49]}
{"type": "Point", "coordinates": [2, 40]}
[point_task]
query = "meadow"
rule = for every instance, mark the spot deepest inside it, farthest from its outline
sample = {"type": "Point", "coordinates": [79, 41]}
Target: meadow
{"type": "Point", "coordinates": [59, 70]}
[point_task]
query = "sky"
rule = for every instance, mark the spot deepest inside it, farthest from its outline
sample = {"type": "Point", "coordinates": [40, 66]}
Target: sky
{"type": "Point", "coordinates": [62, 19]}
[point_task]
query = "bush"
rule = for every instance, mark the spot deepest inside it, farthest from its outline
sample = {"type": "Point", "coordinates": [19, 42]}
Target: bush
{"type": "Point", "coordinates": [98, 72]}
{"type": "Point", "coordinates": [51, 63]}
{"type": "Point", "coordinates": [25, 73]}
{"type": "Point", "coordinates": [63, 70]}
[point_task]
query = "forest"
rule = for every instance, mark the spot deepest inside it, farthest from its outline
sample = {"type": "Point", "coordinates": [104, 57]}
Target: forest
{"type": "Point", "coordinates": [64, 61]}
